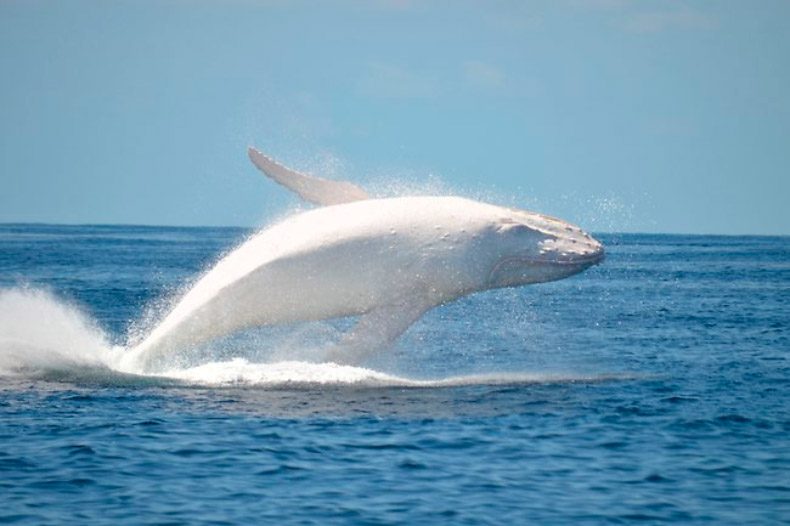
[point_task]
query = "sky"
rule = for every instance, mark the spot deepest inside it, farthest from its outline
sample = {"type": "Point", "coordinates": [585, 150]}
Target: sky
{"type": "Point", "coordinates": [629, 116]}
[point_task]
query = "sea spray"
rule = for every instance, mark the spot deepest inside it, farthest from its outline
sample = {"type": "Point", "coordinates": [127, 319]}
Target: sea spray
{"type": "Point", "coordinates": [40, 332]}
{"type": "Point", "coordinates": [42, 335]}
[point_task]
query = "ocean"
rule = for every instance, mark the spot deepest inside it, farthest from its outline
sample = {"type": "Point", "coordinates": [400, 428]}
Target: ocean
{"type": "Point", "coordinates": [651, 389]}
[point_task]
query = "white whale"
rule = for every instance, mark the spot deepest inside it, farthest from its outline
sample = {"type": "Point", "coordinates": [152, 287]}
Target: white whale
{"type": "Point", "coordinates": [385, 260]}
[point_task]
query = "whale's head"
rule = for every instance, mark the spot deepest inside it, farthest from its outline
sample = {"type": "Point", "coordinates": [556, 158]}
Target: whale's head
{"type": "Point", "coordinates": [534, 248]}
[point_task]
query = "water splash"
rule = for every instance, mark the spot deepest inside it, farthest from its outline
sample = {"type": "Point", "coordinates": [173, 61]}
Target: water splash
{"type": "Point", "coordinates": [41, 333]}
{"type": "Point", "coordinates": [291, 374]}
{"type": "Point", "coordinates": [46, 337]}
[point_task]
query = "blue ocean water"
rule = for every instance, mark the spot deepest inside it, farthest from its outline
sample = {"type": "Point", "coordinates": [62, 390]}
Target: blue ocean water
{"type": "Point", "coordinates": [652, 388]}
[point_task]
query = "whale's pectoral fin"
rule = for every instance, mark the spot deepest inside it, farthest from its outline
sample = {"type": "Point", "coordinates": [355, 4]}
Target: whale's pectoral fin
{"type": "Point", "coordinates": [313, 189]}
{"type": "Point", "coordinates": [376, 330]}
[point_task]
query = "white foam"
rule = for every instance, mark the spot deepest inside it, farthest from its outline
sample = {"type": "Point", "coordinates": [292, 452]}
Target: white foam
{"type": "Point", "coordinates": [240, 372]}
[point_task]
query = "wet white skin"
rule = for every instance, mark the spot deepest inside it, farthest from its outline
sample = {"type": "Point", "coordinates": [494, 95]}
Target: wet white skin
{"type": "Point", "coordinates": [388, 259]}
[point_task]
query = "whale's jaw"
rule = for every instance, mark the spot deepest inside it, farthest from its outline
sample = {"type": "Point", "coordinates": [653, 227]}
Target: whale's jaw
{"type": "Point", "coordinates": [535, 248]}
{"type": "Point", "coordinates": [515, 271]}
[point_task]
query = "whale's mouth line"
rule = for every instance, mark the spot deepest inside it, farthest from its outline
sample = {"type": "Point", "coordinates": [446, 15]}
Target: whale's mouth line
{"type": "Point", "coordinates": [590, 260]}
{"type": "Point", "coordinates": [582, 260]}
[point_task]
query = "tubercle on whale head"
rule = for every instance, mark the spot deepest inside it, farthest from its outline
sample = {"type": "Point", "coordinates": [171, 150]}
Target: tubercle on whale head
{"type": "Point", "coordinates": [536, 248]}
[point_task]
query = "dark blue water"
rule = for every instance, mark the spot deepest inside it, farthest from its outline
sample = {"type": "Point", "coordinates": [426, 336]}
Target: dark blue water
{"type": "Point", "coordinates": [653, 388]}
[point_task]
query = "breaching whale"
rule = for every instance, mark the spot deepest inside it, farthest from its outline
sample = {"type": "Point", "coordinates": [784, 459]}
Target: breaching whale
{"type": "Point", "coordinates": [385, 260]}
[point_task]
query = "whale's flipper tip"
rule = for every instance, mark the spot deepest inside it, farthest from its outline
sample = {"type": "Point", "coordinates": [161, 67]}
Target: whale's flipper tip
{"type": "Point", "coordinates": [310, 188]}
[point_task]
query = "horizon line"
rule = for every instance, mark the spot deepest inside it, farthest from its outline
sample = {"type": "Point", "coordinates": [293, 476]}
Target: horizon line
{"type": "Point", "coordinates": [250, 227]}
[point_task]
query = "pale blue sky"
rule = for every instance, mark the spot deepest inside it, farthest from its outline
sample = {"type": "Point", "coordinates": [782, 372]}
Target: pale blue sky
{"type": "Point", "coordinates": [670, 116]}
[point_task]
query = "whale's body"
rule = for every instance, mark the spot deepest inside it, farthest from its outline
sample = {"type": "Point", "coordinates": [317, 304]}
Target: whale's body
{"type": "Point", "coordinates": [387, 260]}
